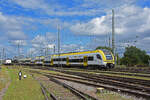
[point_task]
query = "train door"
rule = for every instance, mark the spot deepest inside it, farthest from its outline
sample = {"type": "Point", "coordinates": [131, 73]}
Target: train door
{"type": "Point", "coordinates": [99, 58]}
{"type": "Point", "coordinates": [42, 60]}
{"type": "Point", "coordinates": [85, 61]}
{"type": "Point", "coordinates": [52, 63]}
{"type": "Point", "coordinates": [67, 61]}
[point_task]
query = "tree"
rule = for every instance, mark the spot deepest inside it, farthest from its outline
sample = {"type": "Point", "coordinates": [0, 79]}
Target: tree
{"type": "Point", "coordinates": [134, 56]}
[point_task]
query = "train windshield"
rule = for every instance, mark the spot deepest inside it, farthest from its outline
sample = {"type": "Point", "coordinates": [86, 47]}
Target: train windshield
{"type": "Point", "coordinates": [108, 54]}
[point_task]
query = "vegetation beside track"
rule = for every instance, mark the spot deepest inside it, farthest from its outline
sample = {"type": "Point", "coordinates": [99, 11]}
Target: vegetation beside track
{"type": "Point", "coordinates": [134, 56]}
{"type": "Point", "coordinates": [4, 77]}
{"type": "Point", "coordinates": [25, 89]}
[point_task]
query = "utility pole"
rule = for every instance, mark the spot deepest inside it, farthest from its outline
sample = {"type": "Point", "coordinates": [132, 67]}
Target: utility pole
{"type": "Point", "coordinates": [54, 49]}
{"type": "Point", "coordinates": [3, 55]}
{"type": "Point", "coordinates": [18, 50]}
{"type": "Point", "coordinates": [113, 35]}
{"type": "Point", "coordinates": [58, 44]}
{"type": "Point", "coordinates": [109, 41]}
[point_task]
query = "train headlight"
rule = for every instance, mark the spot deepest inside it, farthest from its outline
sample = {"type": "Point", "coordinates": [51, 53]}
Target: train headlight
{"type": "Point", "coordinates": [105, 63]}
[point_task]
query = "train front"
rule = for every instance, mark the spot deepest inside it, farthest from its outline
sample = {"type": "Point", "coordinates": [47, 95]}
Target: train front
{"type": "Point", "coordinates": [108, 59]}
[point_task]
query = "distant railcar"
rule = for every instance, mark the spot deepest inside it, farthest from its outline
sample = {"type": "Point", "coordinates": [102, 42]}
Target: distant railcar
{"type": "Point", "coordinates": [39, 60]}
{"type": "Point", "coordinates": [47, 60]}
{"type": "Point", "coordinates": [8, 62]}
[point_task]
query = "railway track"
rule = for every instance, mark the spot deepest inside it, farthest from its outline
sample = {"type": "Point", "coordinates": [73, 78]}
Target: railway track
{"type": "Point", "coordinates": [129, 70]}
{"type": "Point", "coordinates": [138, 74]}
{"type": "Point", "coordinates": [116, 83]}
{"type": "Point", "coordinates": [127, 88]}
{"type": "Point", "coordinates": [80, 94]}
{"type": "Point", "coordinates": [105, 72]}
{"type": "Point", "coordinates": [44, 91]}
{"type": "Point", "coordinates": [51, 96]}
{"type": "Point", "coordinates": [77, 92]}
{"type": "Point", "coordinates": [115, 78]}
{"type": "Point", "coordinates": [112, 88]}
{"type": "Point", "coordinates": [132, 70]}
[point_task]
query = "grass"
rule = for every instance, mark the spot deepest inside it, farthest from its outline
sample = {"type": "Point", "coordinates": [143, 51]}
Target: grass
{"type": "Point", "coordinates": [25, 89]}
{"type": "Point", "coordinates": [43, 71]}
{"type": "Point", "coordinates": [4, 78]}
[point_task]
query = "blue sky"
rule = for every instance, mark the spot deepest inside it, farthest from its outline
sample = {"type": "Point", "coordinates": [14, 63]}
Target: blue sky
{"type": "Point", "coordinates": [84, 24]}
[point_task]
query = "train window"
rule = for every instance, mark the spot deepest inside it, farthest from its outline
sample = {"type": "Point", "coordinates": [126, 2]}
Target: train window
{"type": "Point", "coordinates": [75, 60]}
{"type": "Point", "coordinates": [98, 56]}
{"type": "Point", "coordinates": [54, 59]}
{"type": "Point", "coordinates": [109, 57]}
{"type": "Point", "coordinates": [59, 59]}
{"type": "Point", "coordinates": [47, 61]}
{"type": "Point", "coordinates": [63, 59]}
{"type": "Point", "coordinates": [90, 58]}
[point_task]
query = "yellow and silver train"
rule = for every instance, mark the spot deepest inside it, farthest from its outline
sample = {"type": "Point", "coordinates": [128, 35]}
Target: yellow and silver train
{"type": "Point", "coordinates": [95, 59]}
{"type": "Point", "coordinates": [87, 59]}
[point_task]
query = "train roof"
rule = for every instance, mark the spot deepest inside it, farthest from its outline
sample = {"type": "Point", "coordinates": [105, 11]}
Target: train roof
{"type": "Point", "coordinates": [78, 53]}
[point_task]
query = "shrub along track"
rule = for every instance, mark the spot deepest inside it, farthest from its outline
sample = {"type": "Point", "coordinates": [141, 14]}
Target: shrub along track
{"type": "Point", "coordinates": [112, 84]}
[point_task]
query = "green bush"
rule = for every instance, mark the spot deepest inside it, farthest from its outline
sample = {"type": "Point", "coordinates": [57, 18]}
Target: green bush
{"type": "Point", "coordinates": [134, 56]}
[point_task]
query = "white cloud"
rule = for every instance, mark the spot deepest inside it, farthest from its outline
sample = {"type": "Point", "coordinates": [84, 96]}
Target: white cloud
{"type": "Point", "coordinates": [42, 41]}
{"type": "Point", "coordinates": [50, 46]}
{"type": "Point", "coordinates": [39, 41]}
{"type": "Point", "coordinates": [19, 42]}
{"type": "Point", "coordinates": [96, 26]}
{"type": "Point", "coordinates": [80, 7]}
{"type": "Point", "coordinates": [129, 20]}
{"type": "Point", "coordinates": [33, 4]}
{"type": "Point", "coordinates": [71, 48]}
{"type": "Point", "coordinates": [146, 39]}
{"type": "Point", "coordinates": [12, 27]}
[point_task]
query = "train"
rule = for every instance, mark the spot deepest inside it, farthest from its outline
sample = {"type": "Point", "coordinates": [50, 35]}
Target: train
{"type": "Point", "coordinates": [8, 62]}
{"type": "Point", "coordinates": [96, 59]}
